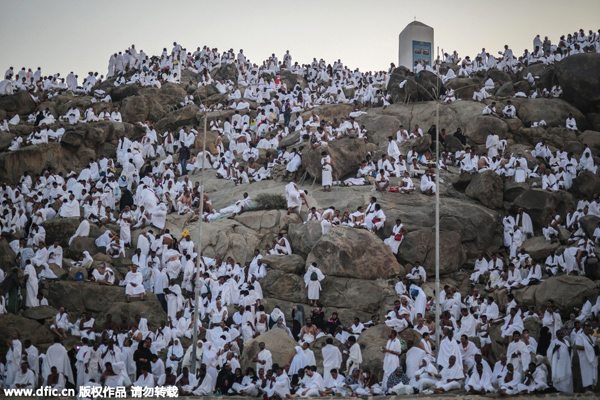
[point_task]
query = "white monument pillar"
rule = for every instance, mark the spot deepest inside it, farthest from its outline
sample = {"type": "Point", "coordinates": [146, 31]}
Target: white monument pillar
{"type": "Point", "coordinates": [415, 43]}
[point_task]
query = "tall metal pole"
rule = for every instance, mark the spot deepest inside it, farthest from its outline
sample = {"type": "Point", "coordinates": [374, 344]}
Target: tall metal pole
{"type": "Point", "coordinates": [198, 256]}
{"type": "Point", "coordinates": [437, 224]}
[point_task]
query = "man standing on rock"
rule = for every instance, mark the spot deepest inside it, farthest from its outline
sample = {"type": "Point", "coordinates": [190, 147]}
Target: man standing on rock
{"type": "Point", "coordinates": [31, 281]}
{"type": "Point", "coordinates": [588, 360]}
{"type": "Point", "coordinates": [263, 358]}
{"type": "Point", "coordinates": [391, 351]}
{"type": "Point", "coordinates": [312, 280]}
{"type": "Point", "coordinates": [332, 358]}
{"type": "Point", "coordinates": [327, 167]}
{"type": "Point", "coordinates": [354, 356]}
{"type": "Point", "coordinates": [184, 155]}
{"type": "Point", "coordinates": [559, 355]}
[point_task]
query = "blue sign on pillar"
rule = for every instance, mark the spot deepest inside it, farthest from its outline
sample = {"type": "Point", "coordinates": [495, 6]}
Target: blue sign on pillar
{"type": "Point", "coordinates": [422, 52]}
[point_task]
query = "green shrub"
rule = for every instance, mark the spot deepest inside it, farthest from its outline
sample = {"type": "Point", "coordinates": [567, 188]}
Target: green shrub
{"type": "Point", "coordinates": [271, 202]}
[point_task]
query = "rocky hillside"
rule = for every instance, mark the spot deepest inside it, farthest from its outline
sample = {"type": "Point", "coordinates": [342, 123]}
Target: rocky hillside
{"type": "Point", "coordinates": [361, 270]}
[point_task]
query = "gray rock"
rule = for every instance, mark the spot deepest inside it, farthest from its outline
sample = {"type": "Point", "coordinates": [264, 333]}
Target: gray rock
{"type": "Point", "coordinates": [292, 264]}
{"type": "Point", "coordinates": [277, 341]}
{"type": "Point", "coordinates": [579, 77]}
{"type": "Point", "coordinates": [539, 248]}
{"type": "Point", "coordinates": [354, 253]}
{"type": "Point", "coordinates": [486, 187]}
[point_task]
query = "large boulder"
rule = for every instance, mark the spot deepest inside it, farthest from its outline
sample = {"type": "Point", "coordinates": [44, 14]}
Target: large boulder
{"type": "Point", "coordinates": [277, 341]}
{"type": "Point", "coordinates": [40, 313]}
{"type": "Point", "coordinates": [284, 286]}
{"type": "Point", "coordinates": [419, 245]}
{"type": "Point", "coordinates": [119, 93]}
{"type": "Point", "coordinates": [408, 93]}
{"type": "Point", "coordinates": [539, 204]}
{"type": "Point", "coordinates": [61, 230]}
{"type": "Point", "coordinates": [7, 256]}
{"type": "Point", "coordinates": [589, 223]}
{"type": "Point", "coordinates": [35, 160]}
{"type": "Point", "coordinates": [6, 139]}
{"type": "Point", "coordinates": [211, 139]}
{"type": "Point", "coordinates": [506, 90]}
{"type": "Point", "coordinates": [586, 184]}
{"type": "Point", "coordinates": [487, 187]}
{"type": "Point", "coordinates": [554, 111]}
{"type": "Point", "coordinates": [592, 140]}
{"type": "Point", "coordinates": [567, 291]}
{"type": "Point", "coordinates": [499, 76]}
{"type": "Point", "coordinates": [20, 103]}
{"type": "Point", "coordinates": [539, 248]}
{"type": "Point", "coordinates": [579, 77]}
{"type": "Point", "coordinates": [178, 118]}
{"type": "Point", "coordinates": [142, 108]}
{"type": "Point", "coordinates": [430, 86]}
{"type": "Point", "coordinates": [379, 127]}
{"type": "Point", "coordinates": [513, 189]}
{"type": "Point", "coordinates": [422, 144]}
{"type": "Point", "coordinates": [479, 128]}
{"type": "Point", "coordinates": [304, 236]}
{"type": "Point", "coordinates": [330, 111]}
{"type": "Point", "coordinates": [292, 263]}
{"type": "Point", "coordinates": [373, 339]}
{"type": "Point", "coordinates": [346, 156]}
{"type": "Point", "coordinates": [462, 181]}
{"type": "Point", "coordinates": [451, 116]}
{"type": "Point", "coordinates": [354, 253]}
{"type": "Point", "coordinates": [81, 244]}
{"type": "Point", "coordinates": [361, 295]}
{"type": "Point", "coordinates": [290, 79]}
{"type": "Point", "coordinates": [27, 328]}
{"type": "Point", "coordinates": [464, 87]}
{"type": "Point", "coordinates": [226, 72]}
{"type": "Point", "coordinates": [101, 300]}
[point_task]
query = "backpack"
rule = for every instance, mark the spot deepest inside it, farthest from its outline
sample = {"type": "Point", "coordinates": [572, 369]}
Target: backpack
{"type": "Point", "coordinates": [79, 276]}
{"type": "Point", "coordinates": [314, 276]}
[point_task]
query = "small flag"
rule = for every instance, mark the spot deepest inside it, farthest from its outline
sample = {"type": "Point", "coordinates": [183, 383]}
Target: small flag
{"type": "Point", "coordinates": [185, 233]}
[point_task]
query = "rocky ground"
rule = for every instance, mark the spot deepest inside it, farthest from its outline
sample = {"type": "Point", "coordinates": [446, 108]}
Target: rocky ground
{"type": "Point", "coordinates": [361, 270]}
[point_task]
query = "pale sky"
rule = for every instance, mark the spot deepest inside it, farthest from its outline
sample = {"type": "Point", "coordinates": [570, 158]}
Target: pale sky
{"type": "Point", "coordinates": [80, 35]}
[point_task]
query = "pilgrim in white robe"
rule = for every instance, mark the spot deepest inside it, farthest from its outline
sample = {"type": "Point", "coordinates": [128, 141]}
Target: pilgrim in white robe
{"type": "Point", "coordinates": [560, 360]}
{"type": "Point", "coordinates": [26, 380]}
{"type": "Point", "coordinates": [395, 240]}
{"type": "Point", "coordinates": [449, 347]}
{"type": "Point", "coordinates": [332, 359]}
{"type": "Point", "coordinates": [264, 360]}
{"type": "Point", "coordinates": [83, 230]}
{"type": "Point", "coordinates": [588, 360]}
{"type": "Point", "coordinates": [293, 198]}
{"type": "Point", "coordinates": [326, 177]}
{"type": "Point", "coordinates": [32, 286]}
{"type": "Point", "coordinates": [391, 361]}
{"type": "Point", "coordinates": [298, 362]}
{"type": "Point", "coordinates": [13, 362]}
{"type": "Point", "coordinates": [450, 373]}
{"type": "Point", "coordinates": [134, 278]}
{"type": "Point", "coordinates": [56, 356]}
{"type": "Point", "coordinates": [313, 286]}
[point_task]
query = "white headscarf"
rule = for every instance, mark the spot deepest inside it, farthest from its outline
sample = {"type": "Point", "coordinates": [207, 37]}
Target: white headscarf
{"type": "Point", "coordinates": [298, 362]}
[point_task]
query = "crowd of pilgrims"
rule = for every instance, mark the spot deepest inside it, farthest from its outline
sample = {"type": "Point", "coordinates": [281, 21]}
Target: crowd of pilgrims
{"type": "Point", "coordinates": [135, 190]}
